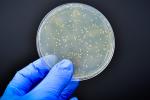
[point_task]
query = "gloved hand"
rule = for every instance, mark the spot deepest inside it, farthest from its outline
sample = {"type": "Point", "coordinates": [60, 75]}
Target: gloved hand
{"type": "Point", "coordinates": [38, 82]}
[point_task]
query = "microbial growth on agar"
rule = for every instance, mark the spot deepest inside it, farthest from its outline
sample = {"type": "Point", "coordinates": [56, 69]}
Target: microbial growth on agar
{"type": "Point", "coordinates": [80, 33]}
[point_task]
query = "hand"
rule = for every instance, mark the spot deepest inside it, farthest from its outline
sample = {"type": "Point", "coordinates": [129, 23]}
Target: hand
{"type": "Point", "coordinates": [38, 82]}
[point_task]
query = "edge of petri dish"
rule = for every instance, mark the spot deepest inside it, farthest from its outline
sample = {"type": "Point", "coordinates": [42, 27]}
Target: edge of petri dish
{"type": "Point", "coordinates": [89, 76]}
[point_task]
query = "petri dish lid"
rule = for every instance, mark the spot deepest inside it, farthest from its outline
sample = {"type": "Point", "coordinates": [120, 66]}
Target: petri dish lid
{"type": "Point", "coordinates": [80, 33]}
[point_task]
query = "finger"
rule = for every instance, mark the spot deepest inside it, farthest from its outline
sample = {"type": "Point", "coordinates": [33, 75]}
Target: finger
{"type": "Point", "coordinates": [55, 81]}
{"type": "Point", "coordinates": [68, 91]}
{"type": "Point", "coordinates": [25, 79]}
{"type": "Point", "coordinates": [74, 98]}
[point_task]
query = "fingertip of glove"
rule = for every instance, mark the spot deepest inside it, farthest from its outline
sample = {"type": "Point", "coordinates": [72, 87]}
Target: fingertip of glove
{"type": "Point", "coordinates": [74, 98]}
{"type": "Point", "coordinates": [66, 64]}
{"type": "Point", "coordinates": [50, 60]}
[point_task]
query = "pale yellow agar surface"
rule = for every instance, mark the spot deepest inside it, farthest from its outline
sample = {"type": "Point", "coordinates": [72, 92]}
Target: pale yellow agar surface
{"type": "Point", "coordinates": [80, 33]}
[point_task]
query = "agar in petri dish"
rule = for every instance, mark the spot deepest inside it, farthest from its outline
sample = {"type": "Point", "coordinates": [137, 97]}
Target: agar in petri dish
{"type": "Point", "coordinates": [80, 33]}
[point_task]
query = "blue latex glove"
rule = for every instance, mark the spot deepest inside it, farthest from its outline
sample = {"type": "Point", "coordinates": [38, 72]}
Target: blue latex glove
{"type": "Point", "coordinates": [38, 82]}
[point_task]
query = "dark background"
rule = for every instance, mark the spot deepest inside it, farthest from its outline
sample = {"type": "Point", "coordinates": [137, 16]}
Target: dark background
{"type": "Point", "coordinates": [127, 76]}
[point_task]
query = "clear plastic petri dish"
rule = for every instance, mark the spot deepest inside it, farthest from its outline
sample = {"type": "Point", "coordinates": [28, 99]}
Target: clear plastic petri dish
{"type": "Point", "coordinates": [80, 33]}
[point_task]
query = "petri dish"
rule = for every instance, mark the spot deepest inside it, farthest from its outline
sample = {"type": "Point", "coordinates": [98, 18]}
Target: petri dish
{"type": "Point", "coordinates": [80, 33]}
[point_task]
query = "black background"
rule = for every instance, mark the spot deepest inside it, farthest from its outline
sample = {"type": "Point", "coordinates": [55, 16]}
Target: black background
{"type": "Point", "coordinates": [128, 74]}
